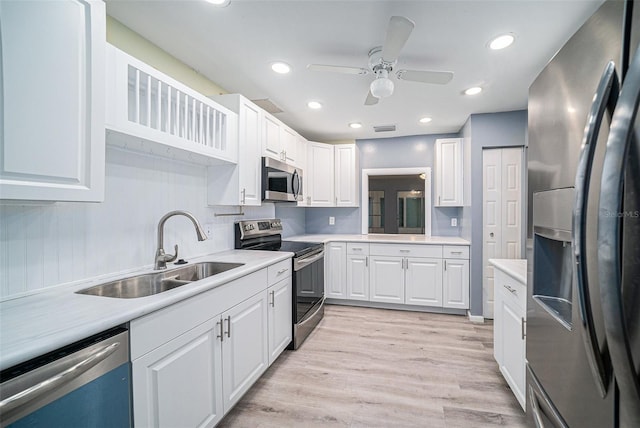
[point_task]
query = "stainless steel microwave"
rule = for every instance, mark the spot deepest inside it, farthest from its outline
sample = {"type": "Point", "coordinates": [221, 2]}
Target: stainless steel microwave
{"type": "Point", "coordinates": [280, 182]}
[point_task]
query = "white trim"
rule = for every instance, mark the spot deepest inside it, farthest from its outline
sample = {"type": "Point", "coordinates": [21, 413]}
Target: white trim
{"type": "Point", "coordinates": [478, 319]}
{"type": "Point", "coordinates": [396, 171]}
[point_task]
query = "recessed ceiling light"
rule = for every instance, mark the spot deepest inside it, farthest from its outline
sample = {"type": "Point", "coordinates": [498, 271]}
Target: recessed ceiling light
{"type": "Point", "coordinates": [280, 67]}
{"type": "Point", "coordinates": [220, 3]}
{"type": "Point", "coordinates": [355, 125]}
{"type": "Point", "coordinates": [425, 120]}
{"type": "Point", "coordinates": [315, 105]}
{"type": "Point", "coordinates": [501, 41]}
{"type": "Point", "coordinates": [473, 91]}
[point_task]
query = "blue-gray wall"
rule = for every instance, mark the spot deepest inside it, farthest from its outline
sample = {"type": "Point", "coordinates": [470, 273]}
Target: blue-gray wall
{"type": "Point", "coordinates": [401, 152]}
{"type": "Point", "coordinates": [506, 129]}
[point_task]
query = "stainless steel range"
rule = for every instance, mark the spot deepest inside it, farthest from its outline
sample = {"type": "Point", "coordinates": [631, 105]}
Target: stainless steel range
{"type": "Point", "coordinates": [308, 271]}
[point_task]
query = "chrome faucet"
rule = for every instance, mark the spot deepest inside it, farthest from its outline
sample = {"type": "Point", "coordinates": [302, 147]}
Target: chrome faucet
{"type": "Point", "coordinates": [161, 258]}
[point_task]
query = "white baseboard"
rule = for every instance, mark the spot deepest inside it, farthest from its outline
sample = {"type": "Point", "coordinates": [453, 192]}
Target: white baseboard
{"type": "Point", "coordinates": [478, 319]}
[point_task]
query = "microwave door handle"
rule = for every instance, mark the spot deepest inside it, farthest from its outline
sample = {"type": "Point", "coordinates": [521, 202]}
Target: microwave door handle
{"type": "Point", "coordinates": [604, 101]}
{"type": "Point", "coordinates": [621, 136]}
{"type": "Point", "coordinates": [295, 184]}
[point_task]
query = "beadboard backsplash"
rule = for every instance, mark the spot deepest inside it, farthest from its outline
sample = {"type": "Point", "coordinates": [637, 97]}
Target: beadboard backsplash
{"type": "Point", "coordinates": [51, 244]}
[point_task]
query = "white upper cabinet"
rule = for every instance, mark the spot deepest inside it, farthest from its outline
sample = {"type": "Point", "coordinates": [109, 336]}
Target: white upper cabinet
{"type": "Point", "coordinates": [331, 175]}
{"type": "Point", "coordinates": [241, 184]}
{"type": "Point", "coordinates": [151, 112]}
{"type": "Point", "coordinates": [52, 105]}
{"type": "Point", "coordinates": [449, 172]}
{"type": "Point", "coordinates": [280, 141]}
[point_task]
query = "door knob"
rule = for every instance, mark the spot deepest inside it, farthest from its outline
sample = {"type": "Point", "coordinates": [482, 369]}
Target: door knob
{"type": "Point", "coordinates": [491, 234]}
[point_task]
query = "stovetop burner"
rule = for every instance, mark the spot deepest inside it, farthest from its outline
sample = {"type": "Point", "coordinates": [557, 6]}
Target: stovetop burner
{"type": "Point", "coordinates": [266, 235]}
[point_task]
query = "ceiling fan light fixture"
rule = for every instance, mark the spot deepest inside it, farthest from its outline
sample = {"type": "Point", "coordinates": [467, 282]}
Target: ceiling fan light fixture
{"type": "Point", "coordinates": [281, 67]}
{"type": "Point", "coordinates": [381, 87]}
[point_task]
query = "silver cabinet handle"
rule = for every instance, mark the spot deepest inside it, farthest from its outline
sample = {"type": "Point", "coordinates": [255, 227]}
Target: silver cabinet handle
{"type": "Point", "coordinates": [229, 326]}
{"type": "Point", "coordinates": [438, 200]}
{"type": "Point", "coordinates": [273, 298]}
{"type": "Point", "coordinates": [366, 261]}
{"type": "Point", "coordinates": [243, 196]}
{"type": "Point", "coordinates": [456, 252]}
{"type": "Point", "coordinates": [281, 271]}
{"type": "Point", "coordinates": [56, 381]}
{"type": "Point", "coordinates": [522, 327]}
{"type": "Point", "coordinates": [221, 335]}
{"type": "Point", "coordinates": [445, 264]}
{"type": "Point", "coordinates": [618, 150]}
{"type": "Point", "coordinates": [605, 99]}
{"type": "Point", "coordinates": [405, 251]}
{"type": "Point", "coordinates": [356, 249]}
{"type": "Point", "coordinates": [509, 288]}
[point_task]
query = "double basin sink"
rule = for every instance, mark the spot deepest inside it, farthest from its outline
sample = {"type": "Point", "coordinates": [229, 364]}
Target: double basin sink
{"type": "Point", "coordinates": [157, 282]}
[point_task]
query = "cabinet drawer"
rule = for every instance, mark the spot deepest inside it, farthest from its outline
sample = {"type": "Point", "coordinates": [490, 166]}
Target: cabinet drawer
{"type": "Point", "coordinates": [513, 292]}
{"type": "Point", "coordinates": [455, 252]}
{"type": "Point", "coordinates": [279, 271]}
{"type": "Point", "coordinates": [357, 248]}
{"type": "Point", "coordinates": [431, 251]}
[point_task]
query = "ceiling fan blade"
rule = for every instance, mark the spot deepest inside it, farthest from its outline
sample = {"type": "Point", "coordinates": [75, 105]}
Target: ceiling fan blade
{"type": "Point", "coordinates": [337, 69]}
{"type": "Point", "coordinates": [371, 100]}
{"type": "Point", "coordinates": [398, 32]}
{"type": "Point", "coordinates": [434, 77]}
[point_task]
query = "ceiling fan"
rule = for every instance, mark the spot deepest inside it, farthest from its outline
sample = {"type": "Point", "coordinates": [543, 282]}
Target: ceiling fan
{"type": "Point", "coordinates": [383, 59]}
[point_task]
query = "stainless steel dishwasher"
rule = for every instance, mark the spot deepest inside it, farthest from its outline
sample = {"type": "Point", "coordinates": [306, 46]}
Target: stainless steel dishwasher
{"type": "Point", "coordinates": [86, 384]}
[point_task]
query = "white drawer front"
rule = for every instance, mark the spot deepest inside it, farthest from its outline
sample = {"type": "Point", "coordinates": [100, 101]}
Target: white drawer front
{"type": "Point", "coordinates": [455, 252]}
{"type": "Point", "coordinates": [431, 251]}
{"type": "Point", "coordinates": [357, 249]}
{"type": "Point", "coordinates": [279, 271]}
{"type": "Point", "coordinates": [512, 291]}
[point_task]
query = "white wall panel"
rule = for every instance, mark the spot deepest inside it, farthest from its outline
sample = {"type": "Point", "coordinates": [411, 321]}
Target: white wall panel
{"type": "Point", "coordinates": [51, 244]}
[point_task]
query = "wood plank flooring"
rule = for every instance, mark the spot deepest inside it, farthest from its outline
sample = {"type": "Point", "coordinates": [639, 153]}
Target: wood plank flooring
{"type": "Point", "coordinates": [364, 367]}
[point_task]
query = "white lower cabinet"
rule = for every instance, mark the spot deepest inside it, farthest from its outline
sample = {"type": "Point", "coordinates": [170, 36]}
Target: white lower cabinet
{"type": "Point", "coordinates": [188, 366]}
{"type": "Point", "coordinates": [335, 270]}
{"type": "Point", "coordinates": [192, 361]}
{"type": "Point", "coordinates": [455, 287]}
{"type": "Point", "coordinates": [280, 317]}
{"type": "Point", "coordinates": [357, 277]}
{"type": "Point", "coordinates": [423, 282]}
{"type": "Point", "coordinates": [509, 332]}
{"type": "Point", "coordinates": [245, 354]}
{"type": "Point", "coordinates": [387, 279]}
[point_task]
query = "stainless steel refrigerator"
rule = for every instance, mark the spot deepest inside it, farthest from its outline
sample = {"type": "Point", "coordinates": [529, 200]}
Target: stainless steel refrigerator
{"type": "Point", "coordinates": [583, 305]}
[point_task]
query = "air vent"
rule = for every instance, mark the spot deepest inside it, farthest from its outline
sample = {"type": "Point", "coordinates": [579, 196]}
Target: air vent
{"type": "Point", "coordinates": [384, 128]}
{"type": "Point", "coordinates": [268, 106]}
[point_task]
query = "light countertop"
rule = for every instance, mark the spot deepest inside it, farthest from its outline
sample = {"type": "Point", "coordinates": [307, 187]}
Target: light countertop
{"type": "Point", "coordinates": [516, 268]}
{"type": "Point", "coordinates": [383, 238]}
{"type": "Point", "coordinates": [35, 324]}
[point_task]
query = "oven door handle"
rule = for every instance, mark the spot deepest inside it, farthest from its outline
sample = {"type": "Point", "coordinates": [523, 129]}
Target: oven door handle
{"type": "Point", "coordinates": [301, 263]}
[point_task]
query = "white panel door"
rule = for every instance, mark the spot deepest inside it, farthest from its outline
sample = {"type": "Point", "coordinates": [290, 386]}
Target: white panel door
{"type": "Point", "coordinates": [336, 270]}
{"type": "Point", "coordinates": [449, 179]}
{"type": "Point", "coordinates": [245, 352]}
{"type": "Point", "coordinates": [52, 107]}
{"type": "Point", "coordinates": [280, 317]}
{"type": "Point", "coordinates": [455, 289]}
{"type": "Point", "coordinates": [423, 285]}
{"type": "Point", "coordinates": [272, 146]}
{"type": "Point", "coordinates": [358, 277]}
{"type": "Point", "coordinates": [502, 206]}
{"type": "Point", "coordinates": [386, 279]}
{"type": "Point", "coordinates": [492, 223]}
{"type": "Point", "coordinates": [289, 143]}
{"type": "Point", "coordinates": [249, 154]}
{"type": "Point", "coordinates": [345, 176]}
{"type": "Point", "coordinates": [179, 384]}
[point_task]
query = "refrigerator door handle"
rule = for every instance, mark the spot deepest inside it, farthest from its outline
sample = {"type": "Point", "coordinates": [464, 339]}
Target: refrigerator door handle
{"type": "Point", "coordinates": [604, 101]}
{"type": "Point", "coordinates": [621, 136]}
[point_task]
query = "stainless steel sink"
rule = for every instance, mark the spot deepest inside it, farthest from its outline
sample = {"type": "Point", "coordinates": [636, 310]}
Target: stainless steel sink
{"type": "Point", "coordinates": [158, 282]}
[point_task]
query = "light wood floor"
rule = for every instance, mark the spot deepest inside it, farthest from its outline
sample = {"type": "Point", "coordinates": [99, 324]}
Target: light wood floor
{"type": "Point", "coordinates": [364, 367]}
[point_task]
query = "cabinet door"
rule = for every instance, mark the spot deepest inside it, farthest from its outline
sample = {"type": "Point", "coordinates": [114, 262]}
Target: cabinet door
{"type": "Point", "coordinates": [424, 282]}
{"type": "Point", "coordinates": [449, 173]}
{"type": "Point", "coordinates": [358, 277]}
{"type": "Point", "coordinates": [455, 290]}
{"type": "Point", "coordinates": [249, 154]}
{"type": "Point", "coordinates": [272, 146]}
{"type": "Point", "coordinates": [335, 270]}
{"type": "Point", "coordinates": [245, 352]}
{"type": "Point", "coordinates": [289, 143]}
{"type": "Point", "coordinates": [52, 75]}
{"type": "Point", "coordinates": [386, 279]}
{"type": "Point", "coordinates": [346, 177]}
{"type": "Point", "coordinates": [320, 175]}
{"type": "Point", "coordinates": [513, 350]}
{"type": "Point", "coordinates": [180, 382]}
{"type": "Point", "coordinates": [280, 318]}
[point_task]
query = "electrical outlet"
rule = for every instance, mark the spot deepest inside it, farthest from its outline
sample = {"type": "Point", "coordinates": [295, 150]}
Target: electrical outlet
{"type": "Point", "coordinates": [454, 222]}
{"type": "Point", "coordinates": [332, 221]}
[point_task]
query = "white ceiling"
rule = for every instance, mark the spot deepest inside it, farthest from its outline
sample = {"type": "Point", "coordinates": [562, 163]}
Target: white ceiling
{"type": "Point", "coordinates": [235, 45]}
